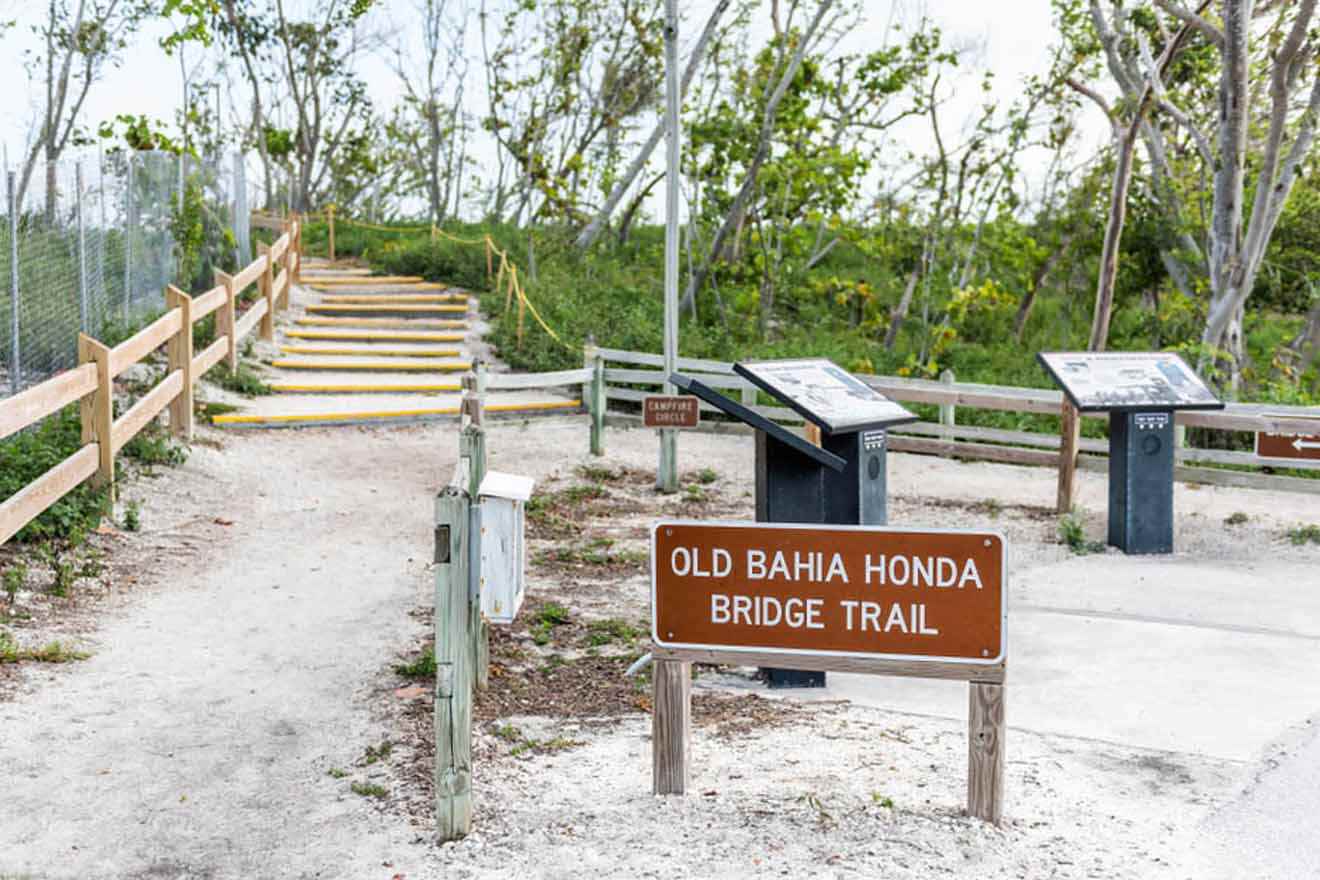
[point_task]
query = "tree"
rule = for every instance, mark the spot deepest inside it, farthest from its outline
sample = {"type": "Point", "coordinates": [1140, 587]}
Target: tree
{"type": "Point", "coordinates": [79, 38]}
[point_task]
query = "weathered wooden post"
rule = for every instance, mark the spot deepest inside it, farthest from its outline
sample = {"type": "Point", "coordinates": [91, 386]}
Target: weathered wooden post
{"type": "Point", "coordinates": [671, 726]}
{"type": "Point", "coordinates": [225, 318]}
{"type": "Point", "coordinates": [267, 286]}
{"type": "Point", "coordinates": [472, 447]}
{"type": "Point", "coordinates": [948, 411]}
{"type": "Point", "coordinates": [97, 412]}
{"type": "Point", "coordinates": [179, 351]}
{"type": "Point", "coordinates": [330, 224]}
{"type": "Point", "coordinates": [1070, 427]}
{"type": "Point", "coordinates": [985, 752]}
{"type": "Point", "coordinates": [453, 661]}
{"type": "Point", "coordinates": [593, 392]}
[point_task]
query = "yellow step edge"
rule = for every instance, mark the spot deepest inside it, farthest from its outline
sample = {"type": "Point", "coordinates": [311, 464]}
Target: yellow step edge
{"type": "Point", "coordinates": [374, 351]}
{"type": "Point", "coordinates": [348, 388]}
{"type": "Point", "coordinates": [239, 419]}
{"type": "Point", "coordinates": [387, 308]}
{"type": "Point", "coordinates": [396, 323]}
{"type": "Point", "coordinates": [374, 279]}
{"type": "Point", "coordinates": [373, 336]}
{"type": "Point", "coordinates": [379, 366]}
{"type": "Point", "coordinates": [384, 298]}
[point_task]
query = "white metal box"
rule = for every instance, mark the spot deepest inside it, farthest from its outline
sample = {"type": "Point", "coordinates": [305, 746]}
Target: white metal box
{"type": "Point", "coordinates": [503, 544]}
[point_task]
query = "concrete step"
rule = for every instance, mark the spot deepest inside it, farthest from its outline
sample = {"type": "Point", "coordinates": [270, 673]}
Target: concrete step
{"type": "Point", "coordinates": [375, 365]}
{"type": "Point", "coordinates": [418, 298]}
{"type": "Point", "coordinates": [394, 323]}
{"type": "Point", "coordinates": [349, 414]}
{"type": "Point", "coordinates": [398, 309]}
{"type": "Point", "coordinates": [376, 336]}
{"type": "Point", "coordinates": [367, 349]}
{"type": "Point", "coordinates": [370, 386]}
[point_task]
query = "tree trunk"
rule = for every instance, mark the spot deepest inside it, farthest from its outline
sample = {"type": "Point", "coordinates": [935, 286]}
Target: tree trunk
{"type": "Point", "coordinates": [901, 310]}
{"type": "Point", "coordinates": [744, 196]}
{"type": "Point", "coordinates": [1029, 298]}
{"type": "Point", "coordinates": [592, 231]}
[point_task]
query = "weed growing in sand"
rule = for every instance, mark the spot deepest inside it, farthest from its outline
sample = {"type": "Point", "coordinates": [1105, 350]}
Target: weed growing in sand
{"type": "Point", "coordinates": [211, 410]}
{"type": "Point", "coordinates": [882, 800]}
{"type": "Point", "coordinates": [369, 789]}
{"type": "Point", "coordinates": [1307, 534]}
{"type": "Point", "coordinates": [244, 381]}
{"type": "Point", "coordinates": [154, 446]}
{"type": "Point", "coordinates": [1072, 532]}
{"type": "Point", "coordinates": [1236, 519]}
{"type": "Point", "coordinates": [693, 494]}
{"type": "Point", "coordinates": [706, 476]}
{"type": "Point", "coordinates": [373, 754]}
{"type": "Point", "coordinates": [603, 632]}
{"type": "Point", "coordinates": [132, 516]}
{"type": "Point", "coordinates": [551, 615]}
{"type": "Point", "coordinates": [15, 576]}
{"type": "Point", "coordinates": [336, 773]}
{"type": "Point", "coordinates": [52, 652]}
{"type": "Point", "coordinates": [558, 744]}
{"type": "Point", "coordinates": [422, 667]}
{"type": "Point", "coordinates": [598, 474]}
{"type": "Point", "coordinates": [508, 733]}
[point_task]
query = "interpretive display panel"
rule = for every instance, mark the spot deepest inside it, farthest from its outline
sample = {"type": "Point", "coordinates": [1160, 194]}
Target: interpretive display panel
{"type": "Point", "coordinates": [825, 393]}
{"type": "Point", "coordinates": [1098, 381]}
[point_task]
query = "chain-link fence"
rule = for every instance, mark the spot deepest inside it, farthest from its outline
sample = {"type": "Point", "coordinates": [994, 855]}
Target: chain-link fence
{"type": "Point", "coordinates": [95, 241]}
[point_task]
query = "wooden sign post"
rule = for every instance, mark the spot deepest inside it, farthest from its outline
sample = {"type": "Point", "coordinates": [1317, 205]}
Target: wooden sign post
{"type": "Point", "coordinates": [880, 601]}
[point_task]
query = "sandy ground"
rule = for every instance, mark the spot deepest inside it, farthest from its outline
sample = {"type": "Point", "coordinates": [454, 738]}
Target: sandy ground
{"type": "Point", "coordinates": [244, 685]}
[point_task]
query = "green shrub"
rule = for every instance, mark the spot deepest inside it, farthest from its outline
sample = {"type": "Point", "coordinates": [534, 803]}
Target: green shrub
{"type": "Point", "coordinates": [26, 456]}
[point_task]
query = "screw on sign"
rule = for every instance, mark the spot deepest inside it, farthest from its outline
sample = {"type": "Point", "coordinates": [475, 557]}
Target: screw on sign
{"type": "Point", "coordinates": [864, 599]}
{"type": "Point", "coordinates": [670, 411]}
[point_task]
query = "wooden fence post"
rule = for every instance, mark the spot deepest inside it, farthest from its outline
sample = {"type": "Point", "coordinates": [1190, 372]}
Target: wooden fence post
{"type": "Point", "coordinates": [948, 411]}
{"type": "Point", "coordinates": [97, 412]}
{"type": "Point", "coordinates": [985, 752]}
{"type": "Point", "coordinates": [1070, 427]}
{"type": "Point", "coordinates": [472, 446]}
{"type": "Point", "coordinates": [593, 391]}
{"type": "Point", "coordinates": [225, 318]}
{"type": "Point", "coordinates": [747, 395]}
{"type": "Point", "coordinates": [453, 666]}
{"type": "Point", "coordinates": [490, 265]}
{"type": "Point", "coordinates": [267, 286]}
{"type": "Point", "coordinates": [330, 221]}
{"type": "Point", "coordinates": [179, 350]}
{"type": "Point", "coordinates": [295, 275]}
{"type": "Point", "coordinates": [671, 726]}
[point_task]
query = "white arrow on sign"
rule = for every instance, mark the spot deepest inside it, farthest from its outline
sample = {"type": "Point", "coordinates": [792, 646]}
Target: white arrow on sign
{"type": "Point", "coordinates": [1299, 444]}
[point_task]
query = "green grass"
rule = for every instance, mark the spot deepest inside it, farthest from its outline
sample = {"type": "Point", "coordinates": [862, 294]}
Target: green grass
{"type": "Point", "coordinates": [604, 632]}
{"type": "Point", "coordinates": [51, 652]}
{"type": "Point", "coordinates": [1236, 518]}
{"type": "Point", "coordinates": [1305, 534]}
{"type": "Point", "coordinates": [377, 753]}
{"type": "Point", "coordinates": [1072, 532]}
{"type": "Point", "coordinates": [245, 380]}
{"type": "Point", "coordinates": [369, 789]}
{"type": "Point", "coordinates": [336, 773]}
{"type": "Point", "coordinates": [132, 515]}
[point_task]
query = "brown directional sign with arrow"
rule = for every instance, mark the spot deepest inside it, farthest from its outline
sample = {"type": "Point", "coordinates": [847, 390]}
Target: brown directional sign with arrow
{"type": "Point", "coordinates": [1303, 447]}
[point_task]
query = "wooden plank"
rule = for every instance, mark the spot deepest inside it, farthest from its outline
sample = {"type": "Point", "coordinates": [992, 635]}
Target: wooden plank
{"type": "Point", "coordinates": [33, 404]}
{"type": "Point", "coordinates": [1216, 477]}
{"type": "Point", "coordinates": [976, 451]}
{"type": "Point", "coordinates": [655, 360]}
{"type": "Point", "coordinates": [145, 341]}
{"type": "Point", "coordinates": [180, 353]}
{"type": "Point", "coordinates": [990, 673]}
{"type": "Point", "coordinates": [251, 272]}
{"type": "Point", "coordinates": [1191, 455]}
{"type": "Point", "coordinates": [657, 377]}
{"type": "Point", "coordinates": [282, 285]}
{"type": "Point", "coordinates": [270, 295]}
{"type": "Point", "coordinates": [279, 247]}
{"type": "Point", "coordinates": [1070, 432]}
{"type": "Point", "coordinates": [998, 397]}
{"type": "Point", "coordinates": [149, 405]}
{"type": "Point", "coordinates": [29, 502]}
{"type": "Point", "coordinates": [453, 680]}
{"type": "Point", "coordinates": [985, 752]}
{"type": "Point", "coordinates": [210, 356]}
{"type": "Point", "coordinates": [513, 381]}
{"type": "Point", "coordinates": [994, 435]}
{"type": "Point", "coordinates": [226, 318]}
{"type": "Point", "coordinates": [208, 302]}
{"type": "Point", "coordinates": [671, 726]}
{"type": "Point", "coordinates": [245, 325]}
{"type": "Point", "coordinates": [1254, 417]}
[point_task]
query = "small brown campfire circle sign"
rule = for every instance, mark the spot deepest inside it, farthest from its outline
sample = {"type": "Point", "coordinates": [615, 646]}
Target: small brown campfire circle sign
{"type": "Point", "coordinates": [856, 591]}
{"type": "Point", "coordinates": [670, 411]}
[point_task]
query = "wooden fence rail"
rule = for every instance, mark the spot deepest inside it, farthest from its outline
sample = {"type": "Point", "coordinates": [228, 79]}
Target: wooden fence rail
{"type": "Point", "coordinates": [628, 382]}
{"type": "Point", "coordinates": [91, 383]}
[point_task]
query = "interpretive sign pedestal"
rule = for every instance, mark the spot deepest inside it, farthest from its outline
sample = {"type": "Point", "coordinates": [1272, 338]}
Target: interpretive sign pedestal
{"type": "Point", "coordinates": [1140, 391]}
{"type": "Point", "coordinates": [1141, 481]}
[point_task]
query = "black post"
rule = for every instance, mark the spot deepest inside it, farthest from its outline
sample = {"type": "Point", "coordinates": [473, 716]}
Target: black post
{"type": "Point", "coordinates": [1141, 481]}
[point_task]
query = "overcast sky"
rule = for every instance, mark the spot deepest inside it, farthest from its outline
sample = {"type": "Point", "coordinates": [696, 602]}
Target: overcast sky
{"type": "Point", "coordinates": [1014, 34]}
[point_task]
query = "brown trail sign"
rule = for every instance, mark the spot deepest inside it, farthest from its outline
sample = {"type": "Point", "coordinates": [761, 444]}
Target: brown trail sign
{"type": "Point", "coordinates": [670, 411]}
{"type": "Point", "coordinates": [1303, 447]}
{"type": "Point", "coordinates": [864, 599]}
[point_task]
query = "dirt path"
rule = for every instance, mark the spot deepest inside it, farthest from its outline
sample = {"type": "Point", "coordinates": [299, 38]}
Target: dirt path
{"type": "Point", "coordinates": [233, 702]}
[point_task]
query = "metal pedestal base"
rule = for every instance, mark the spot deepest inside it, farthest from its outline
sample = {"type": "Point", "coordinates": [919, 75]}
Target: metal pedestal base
{"type": "Point", "coordinates": [1141, 481]}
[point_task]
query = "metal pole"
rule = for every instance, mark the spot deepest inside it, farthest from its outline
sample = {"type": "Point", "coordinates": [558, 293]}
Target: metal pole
{"type": "Point", "coordinates": [667, 478]}
{"type": "Point", "coordinates": [128, 231]}
{"type": "Point", "coordinates": [82, 248]}
{"type": "Point", "coordinates": [103, 231]}
{"type": "Point", "coordinates": [15, 370]}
